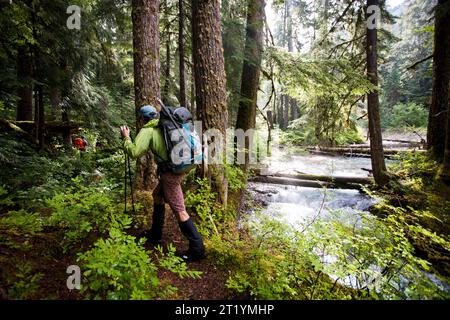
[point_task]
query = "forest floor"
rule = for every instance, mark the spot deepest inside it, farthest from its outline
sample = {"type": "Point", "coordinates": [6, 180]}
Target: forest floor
{"type": "Point", "coordinates": [52, 267]}
{"type": "Point", "coordinates": [211, 284]}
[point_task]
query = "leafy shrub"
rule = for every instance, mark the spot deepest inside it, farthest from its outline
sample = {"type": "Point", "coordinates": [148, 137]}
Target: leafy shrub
{"type": "Point", "coordinates": [360, 257]}
{"type": "Point", "coordinates": [414, 165]}
{"type": "Point", "coordinates": [303, 132]}
{"type": "Point", "coordinates": [405, 115]}
{"type": "Point", "coordinates": [25, 282]}
{"type": "Point", "coordinates": [119, 268]}
{"type": "Point", "coordinates": [348, 137]}
{"type": "Point", "coordinates": [213, 217]}
{"type": "Point", "coordinates": [21, 222]}
{"type": "Point", "coordinates": [236, 177]}
{"type": "Point", "coordinates": [81, 209]}
{"type": "Point", "coordinates": [16, 228]}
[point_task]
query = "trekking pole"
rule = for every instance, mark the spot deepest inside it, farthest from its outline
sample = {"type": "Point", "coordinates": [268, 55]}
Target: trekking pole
{"type": "Point", "coordinates": [131, 184]}
{"type": "Point", "coordinates": [125, 182]}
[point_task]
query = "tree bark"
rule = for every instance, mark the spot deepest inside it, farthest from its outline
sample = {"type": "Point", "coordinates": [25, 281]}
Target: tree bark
{"type": "Point", "coordinates": [66, 132]}
{"type": "Point", "coordinates": [280, 112]}
{"type": "Point", "coordinates": [286, 111]}
{"type": "Point", "coordinates": [446, 168]}
{"type": "Point", "coordinates": [210, 81]}
{"type": "Point", "coordinates": [145, 17]}
{"type": "Point", "coordinates": [40, 122]}
{"type": "Point", "coordinates": [376, 142]}
{"type": "Point", "coordinates": [294, 109]}
{"type": "Point", "coordinates": [182, 98]}
{"type": "Point", "coordinates": [251, 70]}
{"type": "Point", "coordinates": [25, 88]}
{"type": "Point", "coordinates": [289, 26]}
{"type": "Point", "coordinates": [437, 120]}
{"type": "Point", "coordinates": [165, 91]}
{"type": "Point", "coordinates": [55, 100]}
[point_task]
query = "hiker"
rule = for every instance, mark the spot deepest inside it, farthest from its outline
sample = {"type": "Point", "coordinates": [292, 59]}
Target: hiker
{"type": "Point", "coordinates": [80, 143]}
{"type": "Point", "coordinates": [151, 137]}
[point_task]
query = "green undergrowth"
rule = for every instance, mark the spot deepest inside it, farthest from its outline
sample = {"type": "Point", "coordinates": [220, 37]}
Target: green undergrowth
{"type": "Point", "coordinates": [68, 208]}
{"type": "Point", "coordinates": [424, 201]}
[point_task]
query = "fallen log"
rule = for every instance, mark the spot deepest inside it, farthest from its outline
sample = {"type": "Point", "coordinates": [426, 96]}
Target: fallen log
{"type": "Point", "coordinates": [304, 183]}
{"type": "Point", "coordinates": [361, 150]}
{"type": "Point", "coordinates": [290, 182]}
{"type": "Point", "coordinates": [50, 126]}
{"type": "Point", "coordinates": [404, 141]}
{"type": "Point", "coordinates": [349, 155]}
{"type": "Point", "coordinates": [10, 126]}
{"type": "Point", "coordinates": [332, 179]}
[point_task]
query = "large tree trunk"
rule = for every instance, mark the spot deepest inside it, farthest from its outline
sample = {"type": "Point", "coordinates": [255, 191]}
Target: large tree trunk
{"type": "Point", "coordinates": [286, 111]}
{"type": "Point", "coordinates": [246, 117]}
{"type": "Point", "coordinates": [40, 116]}
{"type": "Point", "coordinates": [182, 98]}
{"type": "Point", "coordinates": [145, 18]}
{"type": "Point", "coordinates": [280, 112]}
{"type": "Point", "coordinates": [289, 26]}
{"type": "Point", "coordinates": [376, 142]}
{"type": "Point", "coordinates": [66, 132]}
{"type": "Point", "coordinates": [210, 81]}
{"type": "Point", "coordinates": [446, 168]}
{"type": "Point", "coordinates": [25, 88]}
{"type": "Point", "coordinates": [55, 100]}
{"type": "Point", "coordinates": [294, 109]}
{"type": "Point", "coordinates": [165, 91]}
{"type": "Point", "coordinates": [437, 120]}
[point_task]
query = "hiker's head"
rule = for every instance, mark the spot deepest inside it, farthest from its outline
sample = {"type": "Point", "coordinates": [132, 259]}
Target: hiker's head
{"type": "Point", "coordinates": [149, 112]}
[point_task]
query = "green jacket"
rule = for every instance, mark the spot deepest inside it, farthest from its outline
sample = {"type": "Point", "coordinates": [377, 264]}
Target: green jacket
{"type": "Point", "coordinates": [149, 138]}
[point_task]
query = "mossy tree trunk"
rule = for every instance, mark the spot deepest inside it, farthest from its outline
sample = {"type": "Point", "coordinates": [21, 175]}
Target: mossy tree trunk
{"type": "Point", "coordinates": [145, 16]}
{"type": "Point", "coordinates": [437, 120]}
{"type": "Point", "coordinates": [166, 88]}
{"type": "Point", "coordinates": [443, 14]}
{"type": "Point", "coordinates": [210, 81]}
{"type": "Point", "coordinates": [376, 141]}
{"type": "Point", "coordinates": [182, 71]}
{"type": "Point", "coordinates": [246, 117]}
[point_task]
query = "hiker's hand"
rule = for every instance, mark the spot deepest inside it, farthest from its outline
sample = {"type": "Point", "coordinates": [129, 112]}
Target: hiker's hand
{"type": "Point", "coordinates": [124, 132]}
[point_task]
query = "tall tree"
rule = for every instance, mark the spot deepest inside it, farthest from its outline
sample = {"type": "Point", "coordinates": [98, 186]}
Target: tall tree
{"type": "Point", "coordinates": [181, 54]}
{"type": "Point", "coordinates": [437, 120]}
{"type": "Point", "coordinates": [446, 168]}
{"type": "Point", "coordinates": [246, 117]}
{"type": "Point", "coordinates": [210, 81]}
{"type": "Point", "coordinates": [443, 14]}
{"type": "Point", "coordinates": [145, 18]}
{"type": "Point", "coordinates": [376, 142]}
{"type": "Point", "coordinates": [25, 88]}
{"type": "Point", "coordinates": [165, 91]}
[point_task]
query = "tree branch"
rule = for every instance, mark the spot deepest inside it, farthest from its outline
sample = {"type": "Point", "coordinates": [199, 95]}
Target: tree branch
{"type": "Point", "coordinates": [413, 66]}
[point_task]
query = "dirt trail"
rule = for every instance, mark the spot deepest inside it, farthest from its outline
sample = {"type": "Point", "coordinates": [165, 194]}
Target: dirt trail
{"type": "Point", "coordinates": [211, 285]}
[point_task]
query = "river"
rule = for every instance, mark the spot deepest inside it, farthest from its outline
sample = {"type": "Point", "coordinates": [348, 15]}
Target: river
{"type": "Point", "coordinates": [295, 205]}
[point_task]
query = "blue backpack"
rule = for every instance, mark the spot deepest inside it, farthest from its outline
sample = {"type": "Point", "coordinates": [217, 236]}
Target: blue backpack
{"type": "Point", "coordinates": [182, 141]}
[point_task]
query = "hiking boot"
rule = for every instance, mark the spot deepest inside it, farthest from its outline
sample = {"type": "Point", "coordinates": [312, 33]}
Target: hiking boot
{"type": "Point", "coordinates": [196, 248]}
{"type": "Point", "coordinates": [151, 239]}
{"type": "Point", "coordinates": [189, 256]}
{"type": "Point", "coordinates": [154, 235]}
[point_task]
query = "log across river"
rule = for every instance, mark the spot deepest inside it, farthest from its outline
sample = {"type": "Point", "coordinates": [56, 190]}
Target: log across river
{"type": "Point", "coordinates": [313, 180]}
{"type": "Point", "coordinates": [332, 167]}
{"type": "Point", "coordinates": [360, 150]}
